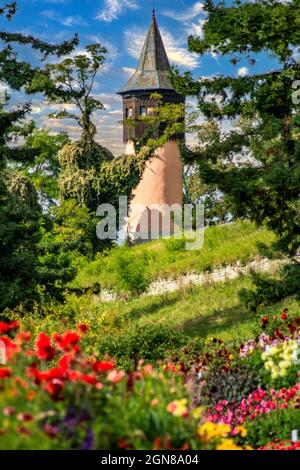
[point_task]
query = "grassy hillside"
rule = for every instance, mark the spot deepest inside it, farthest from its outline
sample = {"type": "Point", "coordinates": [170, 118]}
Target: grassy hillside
{"type": "Point", "coordinates": [145, 324]}
{"type": "Point", "coordinates": [150, 326]}
{"type": "Point", "coordinates": [223, 245]}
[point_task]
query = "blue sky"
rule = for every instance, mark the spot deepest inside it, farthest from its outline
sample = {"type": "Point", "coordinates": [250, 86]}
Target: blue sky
{"type": "Point", "coordinates": [120, 25]}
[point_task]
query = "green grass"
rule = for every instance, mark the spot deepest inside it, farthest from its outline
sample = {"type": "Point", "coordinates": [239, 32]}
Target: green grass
{"type": "Point", "coordinates": [202, 312]}
{"type": "Point", "coordinates": [153, 326]}
{"type": "Point", "coordinates": [214, 310]}
{"type": "Point", "coordinates": [197, 313]}
{"type": "Point", "coordinates": [223, 245]}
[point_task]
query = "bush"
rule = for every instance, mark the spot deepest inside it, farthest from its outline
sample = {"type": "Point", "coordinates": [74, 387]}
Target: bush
{"type": "Point", "coordinates": [150, 342]}
{"type": "Point", "coordinates": [268, 290]}
{"type": "Point", "coordinates": [173, 245]}
{"type": "Point", "coordinates": [128, 269]}
{"type": "Point", "coordinates": [277, 425]}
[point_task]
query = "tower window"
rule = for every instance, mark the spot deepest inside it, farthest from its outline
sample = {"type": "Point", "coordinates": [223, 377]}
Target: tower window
{"type": "Point", "coordinates": [129, 113]}
{"type": "Point", "coordinates": [143, 111]}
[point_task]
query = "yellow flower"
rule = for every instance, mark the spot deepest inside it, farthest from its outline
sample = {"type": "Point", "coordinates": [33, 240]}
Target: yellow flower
{"type": "Point", "coordinates": [197, 412]}
{"type": "Point", "coordinates": [241, 431]}
{"type": "Point", "coordinates": [210, 430]}
{"type": "Point", "coordinates": [273, 350]}
{"type": "Point", "coordinates": [268, 365]}
{"type": "Point", "coordinates": [228, 444]}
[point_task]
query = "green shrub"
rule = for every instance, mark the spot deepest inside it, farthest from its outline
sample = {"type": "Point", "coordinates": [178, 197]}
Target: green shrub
{"type": "Point", "coordinates": [150, 342]}
{"type": "Point", "coordinates": [173, 245]}
{"type": "Point", "coordinates": [268, 290]}
{"type": "Point", "coordinates": [277, 424]}
{"type": "Point", "coordinates": [128, 269]}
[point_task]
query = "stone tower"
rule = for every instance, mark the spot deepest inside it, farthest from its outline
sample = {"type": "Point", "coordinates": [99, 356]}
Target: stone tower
{"type": "Point", "coordinates": [161, 185]}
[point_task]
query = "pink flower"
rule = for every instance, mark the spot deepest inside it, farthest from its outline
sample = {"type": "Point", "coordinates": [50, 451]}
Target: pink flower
{"type": "Point", "coordinates": [115, 376]}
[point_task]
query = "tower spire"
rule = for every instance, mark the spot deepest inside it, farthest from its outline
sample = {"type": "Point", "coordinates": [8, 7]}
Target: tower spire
{"type": "Point", "coordinates": [153, 9]}
{"type": "Point", "coordinates": [154, 68]}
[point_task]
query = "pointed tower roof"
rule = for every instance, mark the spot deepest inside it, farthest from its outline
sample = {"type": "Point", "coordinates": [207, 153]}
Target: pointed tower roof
{"type": "Point", "coordinates": [153, 70]}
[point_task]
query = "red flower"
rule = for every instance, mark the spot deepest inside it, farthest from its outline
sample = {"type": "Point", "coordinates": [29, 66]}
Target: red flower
{"type": "Point", "coordinates": [11, 348]}
{"type": "Point", "coordinates": [33, 373]}
{"type": "Point", "coordinates": [55, 373]}
{"type": "Point", "coordinates": [57, 337]}
{"type": "Point", "coordinates": [103, 366]}
{"type": "Point", "coordinates": [279, 334]}
{"type": "Point", "coordinates": [74, 375]}
{"type": "Point", "coordinates": [264, 320]}
{"type": "Point", "coordinates": [25, 417]}
{"type": "Point", "coordinates": [6, 327]}
{"type": "Point", "coordinates": [69, 340]}
{"type": "Point", "coordinates": [45, 350]}
{"type": "Point", "coordinates": [284, 314]}
{"type": "Point", "coordinates": [88, 379]}
{"type": "Point", "coordinates": [54, 388]}
{"type": "Point", "coordinates": [5, 373]}
{"type": "Point", "coordinates": [66, 361]}
{"type": "Point", "coordinates": [83, 328]}
{"type": "Point", "coordinates": [292, 328]}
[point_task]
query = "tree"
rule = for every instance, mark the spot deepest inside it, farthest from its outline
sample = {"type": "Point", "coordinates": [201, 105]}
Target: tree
{"type": "Point", "coordinates": [19, 235]}
{"type": "Point", "coordinates": [256, 163]}
{"type": "Point", "coordinates": [71, 82]}
{"type": "Point", "coordinates": [42, 163]}
{"type": "Point", "coordinates": [20, 213]}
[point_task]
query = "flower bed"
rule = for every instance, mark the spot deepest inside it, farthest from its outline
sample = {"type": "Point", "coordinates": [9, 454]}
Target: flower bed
{"type": "Point", "coordinates": [54, 396]}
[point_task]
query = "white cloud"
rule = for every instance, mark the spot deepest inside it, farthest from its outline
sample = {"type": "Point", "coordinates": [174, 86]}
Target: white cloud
{"type": "Point", "coordinates": [128, 71]}
{"type": "Point", "coordinates": [73, 20]}
{"type": "Point", "coordinates": [113, 8]}
{"type": "Point", "coordinates": [66, 21]}
{"type": "Point", "coordinates": [175, 48]}
{"type": "Point", "coordinates": [99, 39]}
{"type": "Point", "coordinates": [190, 18]}
{"type": "Point", "coordinates": [196, 28]}
{"type": "Point", "coordinates": [243, 71]}
{"type": "Point", "coordinates": [187, 15]}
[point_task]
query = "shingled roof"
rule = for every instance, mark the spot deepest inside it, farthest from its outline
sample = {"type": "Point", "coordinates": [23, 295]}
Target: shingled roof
{"type": "Point", "coordinates": [153, 70]}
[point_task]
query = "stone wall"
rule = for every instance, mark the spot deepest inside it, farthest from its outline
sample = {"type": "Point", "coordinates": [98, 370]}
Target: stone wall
{"type": "Point", "coordinates": [222, 274]}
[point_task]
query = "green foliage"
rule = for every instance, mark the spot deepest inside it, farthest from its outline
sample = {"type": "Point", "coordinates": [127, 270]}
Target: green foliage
{"type": "Point", "coordinates": [255, 163]}
{"type": "Point", "coordinates": [65, 245]}
{"type": "Point", "coordinates": [165, 121]}
{"type": "Point", "coordinates": [223, 245]}
{"type": "Point", "coordinates": [8, 9]}
{"type": "Point", "coordinates": [129, 270]}
{"type": "Point", "coordinates": [19, 236]}
{"type": "Point", "coordinates": [71, 82]}
{"type": "Point", "coordinates": [20, 214]}
{"type": "Point", "coordinates": [268, 290]}
{"type": "Point", "coordinates": [173, 245]}
{"type": "Point", "coordinates": [43, 169]}
{"type": "Point", "coordinates": [198, 192]}
{"type": "Point", "coordinates": [276, 425]}
{"type": "Point", "coordinates": [150, 342]}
